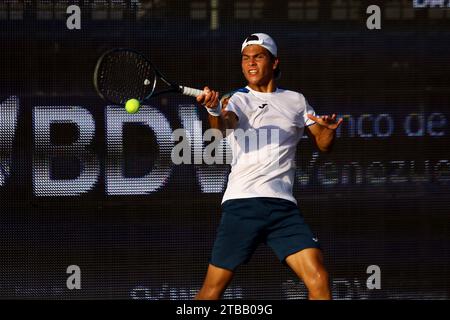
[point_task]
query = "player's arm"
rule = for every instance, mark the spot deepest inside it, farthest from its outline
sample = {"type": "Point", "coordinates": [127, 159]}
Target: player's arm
{"type": "Point", "coordinates": [323, 132]}
{"type": "Point", "coordinates": [226, 119]}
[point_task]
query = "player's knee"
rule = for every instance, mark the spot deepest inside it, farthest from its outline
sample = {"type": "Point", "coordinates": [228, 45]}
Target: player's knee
{"type": "Point", "coordinates": [210, 292]}
{"type": "Point", "coordinates": [317, 281]}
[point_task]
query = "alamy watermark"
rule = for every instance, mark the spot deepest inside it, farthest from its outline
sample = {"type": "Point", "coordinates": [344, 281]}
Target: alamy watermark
{"type": "Point", "coordinates": [74, 280]}
{"type": "Point", "coordinates": [255, 146]}
{"type": "Point", "coordinates": [374, 280]}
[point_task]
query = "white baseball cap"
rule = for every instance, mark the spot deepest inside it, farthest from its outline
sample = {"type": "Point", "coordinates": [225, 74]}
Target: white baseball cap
{"type": "Point", "coordinates": [262, 39]}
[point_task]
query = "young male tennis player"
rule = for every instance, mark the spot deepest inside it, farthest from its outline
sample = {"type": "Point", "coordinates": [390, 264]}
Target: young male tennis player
{"type": "Point", "coordinates": [258, 205]}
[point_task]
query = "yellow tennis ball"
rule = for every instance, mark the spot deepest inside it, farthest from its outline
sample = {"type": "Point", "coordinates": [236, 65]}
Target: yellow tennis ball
{"type": "Point", "coordinates": [132, 105]}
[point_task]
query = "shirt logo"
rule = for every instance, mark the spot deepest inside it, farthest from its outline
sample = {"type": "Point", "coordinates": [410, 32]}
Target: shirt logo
{"type": "Point", "coordinates": [262, 106]}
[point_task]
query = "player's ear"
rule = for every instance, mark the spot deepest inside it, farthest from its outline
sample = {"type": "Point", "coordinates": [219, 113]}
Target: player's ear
{"type": "Point", "coordinates": [276, 62]}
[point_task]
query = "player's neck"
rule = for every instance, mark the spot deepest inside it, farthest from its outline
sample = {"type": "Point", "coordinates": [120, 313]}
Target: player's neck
{"type": "Point", "coordinates": [267, 88]}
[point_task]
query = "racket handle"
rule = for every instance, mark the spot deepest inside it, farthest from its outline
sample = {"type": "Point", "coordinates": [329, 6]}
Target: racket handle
{"type": "Point", "coordinates": [191, 91]}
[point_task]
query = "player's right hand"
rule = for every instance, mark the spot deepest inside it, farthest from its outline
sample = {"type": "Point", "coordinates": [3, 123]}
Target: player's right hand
{"type": "Point", "coordinates": [209, 98]}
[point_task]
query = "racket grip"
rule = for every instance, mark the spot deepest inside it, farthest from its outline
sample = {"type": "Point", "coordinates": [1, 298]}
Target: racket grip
{"type": "Point", "coordinates": [191, 91]}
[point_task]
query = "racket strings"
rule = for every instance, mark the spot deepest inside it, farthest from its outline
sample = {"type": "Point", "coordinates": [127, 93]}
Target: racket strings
{"type": "Point", "coordinates": [124, 75]}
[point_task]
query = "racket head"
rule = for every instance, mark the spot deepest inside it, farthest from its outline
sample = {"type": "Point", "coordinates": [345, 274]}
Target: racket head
{"type": "Point", "coordinates": [123, 74]}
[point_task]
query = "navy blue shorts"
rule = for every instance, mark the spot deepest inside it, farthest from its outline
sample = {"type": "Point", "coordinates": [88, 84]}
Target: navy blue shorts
{"type": "Point", "coordinates": [246, 223]}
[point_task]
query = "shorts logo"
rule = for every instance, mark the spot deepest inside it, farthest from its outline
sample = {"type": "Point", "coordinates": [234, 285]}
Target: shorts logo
{"type": "Point", "coordinates": [315, 239]}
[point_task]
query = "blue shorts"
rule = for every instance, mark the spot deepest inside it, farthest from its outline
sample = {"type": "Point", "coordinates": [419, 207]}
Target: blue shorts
{"type": "Point", "coordinates": [246, 223]}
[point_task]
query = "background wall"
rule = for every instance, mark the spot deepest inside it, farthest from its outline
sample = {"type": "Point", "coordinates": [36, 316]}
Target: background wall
{"type": "Point", "coordinates": [84, 183]}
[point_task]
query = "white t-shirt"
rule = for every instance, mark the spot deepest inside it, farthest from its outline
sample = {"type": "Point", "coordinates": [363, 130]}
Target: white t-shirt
{"type": "Point", "coordinates": [264, 143]}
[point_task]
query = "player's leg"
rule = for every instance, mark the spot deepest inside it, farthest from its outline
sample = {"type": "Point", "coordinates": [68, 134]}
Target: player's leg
{"type": "Point", "coordinates": [238, 236]}
{"type": "Point", "coordinates": [294, 243]}
{"type": "Point", "coordinates": [308, 266]}
{"type": "Point", "coordinates": [216, 281]}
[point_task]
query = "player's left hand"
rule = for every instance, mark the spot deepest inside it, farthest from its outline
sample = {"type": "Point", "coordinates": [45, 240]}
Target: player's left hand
{"type": "Point", "coordinates": [327, 121]}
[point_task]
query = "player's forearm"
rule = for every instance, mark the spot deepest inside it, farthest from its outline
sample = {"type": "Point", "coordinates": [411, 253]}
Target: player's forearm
{"type": "Point", "coordinates": [217, 123]}
{"type": "Point", "coordinates": [225, 122]}
{"type": "Point", "coordinates": [325, 140]}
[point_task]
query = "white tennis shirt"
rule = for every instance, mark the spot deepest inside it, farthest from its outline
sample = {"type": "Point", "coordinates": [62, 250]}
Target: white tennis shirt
{"type": "Point", "coordinates": [264, 143]}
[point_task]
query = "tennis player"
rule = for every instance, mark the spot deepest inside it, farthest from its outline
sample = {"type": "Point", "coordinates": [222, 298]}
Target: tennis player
{"type": "Point", "coordinates": [258, 205]}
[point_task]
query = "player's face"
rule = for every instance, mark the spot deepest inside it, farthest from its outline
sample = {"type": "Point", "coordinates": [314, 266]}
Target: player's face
{"type": "Point", "coordinates": [257, 65]}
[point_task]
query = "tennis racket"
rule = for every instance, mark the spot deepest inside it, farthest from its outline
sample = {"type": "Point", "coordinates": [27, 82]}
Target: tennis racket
{"type": "Point", "coordinates": [123, 74]}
